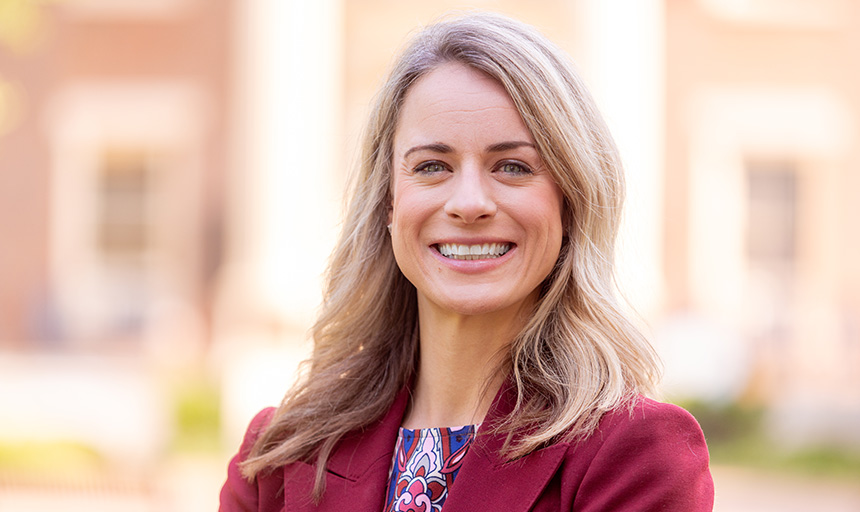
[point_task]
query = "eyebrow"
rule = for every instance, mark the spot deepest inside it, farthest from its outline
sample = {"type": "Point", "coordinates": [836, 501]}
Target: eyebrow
{"type": "Point", "coordinates": [506, 146]}
{"type": "Point", "coordinates": [439, 147]}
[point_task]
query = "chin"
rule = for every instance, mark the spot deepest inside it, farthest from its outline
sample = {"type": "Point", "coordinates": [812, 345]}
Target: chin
{"type": "Point", "coordinates": [476, 308]}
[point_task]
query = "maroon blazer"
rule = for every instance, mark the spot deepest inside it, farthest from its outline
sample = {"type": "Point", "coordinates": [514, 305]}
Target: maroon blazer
{"type": "Point", "coordinates": [653, 459]}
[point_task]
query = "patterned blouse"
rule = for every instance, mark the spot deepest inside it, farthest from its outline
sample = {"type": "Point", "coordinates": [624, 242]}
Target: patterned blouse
{"type": "Point", "coordinates": [426, 462]}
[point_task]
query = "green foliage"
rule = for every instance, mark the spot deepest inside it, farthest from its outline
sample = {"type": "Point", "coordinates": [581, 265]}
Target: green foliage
{"type": "Point", "coordinates": [736, 436]}
{"type": "Point", "coordinates": [825, 460]}
{"type": "Point", "coordinates": [54, 457]}
{"type": "Point", "coordinates": [197, 415]}
{"type": "Point", "coordinates": [724, 422]}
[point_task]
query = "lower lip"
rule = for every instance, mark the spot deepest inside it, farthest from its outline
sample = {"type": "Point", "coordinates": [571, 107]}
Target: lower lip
{"type": "Point", "coordinates": [473, 266]}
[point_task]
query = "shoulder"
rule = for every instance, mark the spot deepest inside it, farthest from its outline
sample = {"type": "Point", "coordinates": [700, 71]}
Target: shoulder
{"type": "Point", "coordinates": [651, 456]}
{"type": "Point", "coordinates": [238, 493]}
{"type": "Point", "coordinates": [258, 424]}
{"type": "Point", "coordinates": [654, 423]}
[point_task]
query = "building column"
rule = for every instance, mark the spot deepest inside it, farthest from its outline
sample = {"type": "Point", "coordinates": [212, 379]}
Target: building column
{"type": "Point", "coordinates": [623, 61]}
{"type": "Point", "coordinates": [283, 192]}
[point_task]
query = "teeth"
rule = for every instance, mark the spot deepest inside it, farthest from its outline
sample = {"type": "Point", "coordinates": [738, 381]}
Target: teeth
{"type": "Point", "coordinates": [473, 252]}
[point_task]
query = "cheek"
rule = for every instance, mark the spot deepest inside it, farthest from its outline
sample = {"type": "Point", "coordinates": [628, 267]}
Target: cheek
{"type": "Point", "coordinates": [405, 218]}
{"type": "Point", "coordinates": [553, 212]}
{"type": "Point", "coordinates": [408, 207]}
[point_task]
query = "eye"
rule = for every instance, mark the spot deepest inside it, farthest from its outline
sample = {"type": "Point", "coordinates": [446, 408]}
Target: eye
{"type": "Point", "coordinates": [431, 168]}
{"type": "Point", "coordinates": [515, 168]}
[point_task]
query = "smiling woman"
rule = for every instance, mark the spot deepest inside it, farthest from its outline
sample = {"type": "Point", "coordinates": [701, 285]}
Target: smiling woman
{"type": "Point", "coordinates": [470, 350]}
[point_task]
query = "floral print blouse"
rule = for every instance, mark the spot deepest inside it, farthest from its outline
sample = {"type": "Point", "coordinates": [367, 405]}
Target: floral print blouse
{"type": "Point", "coordinates": [426, 462]}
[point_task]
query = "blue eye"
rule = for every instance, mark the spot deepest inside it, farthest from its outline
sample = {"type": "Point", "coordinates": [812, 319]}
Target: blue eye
{"type": "Point", "coordinates": [431, 168]}
{"type": "Point", "coordinates": [514, 168]}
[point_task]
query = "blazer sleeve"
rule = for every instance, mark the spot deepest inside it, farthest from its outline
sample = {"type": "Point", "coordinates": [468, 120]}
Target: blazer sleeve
{"type": "Point", "coordinates": [238, 494]}
{"type": "Point", "coordinates": [651, 459]}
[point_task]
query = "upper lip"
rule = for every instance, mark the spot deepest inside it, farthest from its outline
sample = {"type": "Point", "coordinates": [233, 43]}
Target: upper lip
{"type": "Point", "coordinates": [472, 241]}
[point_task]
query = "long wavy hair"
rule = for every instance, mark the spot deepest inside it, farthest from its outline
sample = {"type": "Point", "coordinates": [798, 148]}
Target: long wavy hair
{"type": "Point", "coordinates": [577, 357]}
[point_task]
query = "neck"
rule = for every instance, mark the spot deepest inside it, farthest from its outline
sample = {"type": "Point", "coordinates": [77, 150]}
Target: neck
{"type": "Point", "coordinates": [460, 365]}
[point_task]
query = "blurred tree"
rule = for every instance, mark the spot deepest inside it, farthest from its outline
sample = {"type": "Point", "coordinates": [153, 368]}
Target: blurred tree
{"type": "Point", "coordinates": [22, 28]}
{"type": "Point", "coordinates": [22, 24]}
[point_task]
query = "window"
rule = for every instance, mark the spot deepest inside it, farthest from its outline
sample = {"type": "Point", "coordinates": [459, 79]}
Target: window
{"type": "Point", "coordinates": [772, 205]}
{"type": "Point", "coordinates": [771, 248]}
{"type": "Point", "coordinates": [122, 216]}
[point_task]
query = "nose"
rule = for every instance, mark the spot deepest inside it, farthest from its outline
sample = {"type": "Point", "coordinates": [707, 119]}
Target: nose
{"type": "Point", "coordinates": [471, 197]}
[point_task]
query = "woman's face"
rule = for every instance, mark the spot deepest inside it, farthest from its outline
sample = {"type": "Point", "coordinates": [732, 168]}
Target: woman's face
{"type": "Point", "coordinates": [476, 217]}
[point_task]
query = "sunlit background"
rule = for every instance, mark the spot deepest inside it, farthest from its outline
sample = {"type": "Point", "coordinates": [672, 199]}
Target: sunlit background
{"type": "Point", "coordinates": [171, 180]}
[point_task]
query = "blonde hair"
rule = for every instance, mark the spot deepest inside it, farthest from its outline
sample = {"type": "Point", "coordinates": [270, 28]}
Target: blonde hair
{"type": "Point", "coordinates": [578, 356]}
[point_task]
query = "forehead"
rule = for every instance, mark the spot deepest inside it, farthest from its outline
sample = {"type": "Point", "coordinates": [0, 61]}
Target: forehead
{"type": "Point", "coordinates": [468, 83]}
{"type": "Point", "coordinates": [455, 97]}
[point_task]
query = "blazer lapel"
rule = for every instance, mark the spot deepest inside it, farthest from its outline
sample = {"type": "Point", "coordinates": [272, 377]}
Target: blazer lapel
{"type": "Point", "coordinates": [487, 482]}
{"type": "Point", "coordinates": [357, 471]}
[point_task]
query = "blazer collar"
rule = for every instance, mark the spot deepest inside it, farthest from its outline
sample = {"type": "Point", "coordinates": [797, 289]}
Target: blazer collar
{"type": "Point", "coordinates": [357, 470]}
{"type": "Point", "coordinates": [360, 451]}
{"type": "Point", "coordinates": [487, 481]}
{"type": "Point", "coordinates": [361, 462]}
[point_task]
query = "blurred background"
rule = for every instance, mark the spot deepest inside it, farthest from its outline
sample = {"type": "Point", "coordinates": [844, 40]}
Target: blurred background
{"type": "Point", "coordinates": [171, 180]}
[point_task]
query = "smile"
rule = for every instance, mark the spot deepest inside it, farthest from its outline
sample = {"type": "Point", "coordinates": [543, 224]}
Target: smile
{"type": "Point", "coordinates": [473, 252]}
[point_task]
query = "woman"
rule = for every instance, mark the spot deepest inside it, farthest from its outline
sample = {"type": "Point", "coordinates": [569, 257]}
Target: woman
{"type": "Point", "coordinates": [470, 351]}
